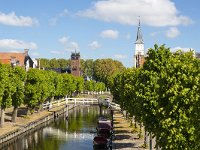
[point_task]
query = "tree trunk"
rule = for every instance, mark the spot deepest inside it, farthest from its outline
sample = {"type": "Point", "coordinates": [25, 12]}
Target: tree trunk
{"type": "Point", "coordinates": [132, 121]}
{"type": "Point", "coordinates": [140, 133]}
{"type": "Point", "coordinates": [52, 99]}
{"type": "Point", "coordinates": [135, 125]}
{"type": "Point", "coordinates": [145, 138]}
{"type": "Point", "coordinates": [2, 117]}
{"type": "Point", "coordinates": [126, 114]}
{"type": "Point", "coordinates": [29, 111]}
{"type": "Point", "coordinates": [40, 108]}
{"type": "Point", "coordinates": [14, 114]}
{"type": "Point", "coordinates": [150, 142]}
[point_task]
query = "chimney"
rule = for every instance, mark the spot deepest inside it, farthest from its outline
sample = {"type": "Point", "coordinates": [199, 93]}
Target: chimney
{"type": "Point", "coordinates": [26, 52]}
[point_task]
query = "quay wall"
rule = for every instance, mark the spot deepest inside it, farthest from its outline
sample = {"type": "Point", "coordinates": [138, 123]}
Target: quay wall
{"type": "Point", "coordinates": [34, 125]}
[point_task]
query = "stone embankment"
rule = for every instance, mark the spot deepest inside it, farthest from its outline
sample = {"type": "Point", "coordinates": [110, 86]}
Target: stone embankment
{"type": "Point", "coordinates": [27, 123]}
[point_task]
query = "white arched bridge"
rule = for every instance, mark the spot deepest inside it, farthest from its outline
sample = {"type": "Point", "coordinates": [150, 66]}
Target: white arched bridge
{"type": "Point", "coordinates": [80, 101]}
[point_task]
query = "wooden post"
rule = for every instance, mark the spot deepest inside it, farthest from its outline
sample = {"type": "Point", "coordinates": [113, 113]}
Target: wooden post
{"type": "Point", "coordinates": [100, 106]}
{"type": "Point", "coordinates": [111, 117]}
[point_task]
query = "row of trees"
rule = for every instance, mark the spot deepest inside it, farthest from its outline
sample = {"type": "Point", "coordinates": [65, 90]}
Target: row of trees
{"type": "Point", "coordinates": [91, 85]}
{"type": "Point", "coordinates": [54, 63]}
{"type": "Point", "coordinates": [98, 70]}
{"type": "Point", "coordinates": [34, 87]}
{"type": "Point", "coordinates": [164, 96]}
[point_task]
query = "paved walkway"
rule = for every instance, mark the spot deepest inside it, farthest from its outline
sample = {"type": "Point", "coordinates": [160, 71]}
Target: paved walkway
{"type": "Point", "coordinates": [123, 138]}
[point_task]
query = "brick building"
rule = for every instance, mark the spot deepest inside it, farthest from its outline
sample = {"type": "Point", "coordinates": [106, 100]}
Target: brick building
{"type": "Point", "coordinates": [75, 64]}
{"type": "Point", "coordinates": [17, 59]}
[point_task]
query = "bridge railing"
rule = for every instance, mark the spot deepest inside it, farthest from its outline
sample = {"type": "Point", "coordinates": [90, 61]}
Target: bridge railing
{"type": "Point", "coordinates": [66, 101]}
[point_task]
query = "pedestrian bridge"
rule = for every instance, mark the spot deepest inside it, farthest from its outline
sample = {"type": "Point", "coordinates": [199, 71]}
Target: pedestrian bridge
{"type": "Point", "coordinates": [80, 101]}
{"type": "Point", "coordinates": [68, 101]}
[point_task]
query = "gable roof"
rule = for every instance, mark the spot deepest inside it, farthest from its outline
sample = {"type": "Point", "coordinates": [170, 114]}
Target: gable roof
{"type": "Point", "coordinates": [8, 58]}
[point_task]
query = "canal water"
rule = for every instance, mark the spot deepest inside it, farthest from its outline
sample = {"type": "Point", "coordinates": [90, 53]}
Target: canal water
{"type": "Point", "coordinates": [74, 133]}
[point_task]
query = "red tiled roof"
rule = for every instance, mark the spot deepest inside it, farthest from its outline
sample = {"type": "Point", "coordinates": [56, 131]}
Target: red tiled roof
{"type": "Point", "coordinates": [5, 61]}
{"type": "Point", "coordinates": [6, 58]}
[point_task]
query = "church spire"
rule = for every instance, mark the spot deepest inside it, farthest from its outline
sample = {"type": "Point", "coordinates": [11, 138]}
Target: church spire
{"type": "Point", "coordinates": [139, 49]}
{"type": "Point", "coordinates": [139, 39]}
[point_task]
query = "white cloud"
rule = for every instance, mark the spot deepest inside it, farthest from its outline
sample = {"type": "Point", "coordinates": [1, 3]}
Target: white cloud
{"type": "Point", "coordinates": [13, 20]}
{"type": "Point", "coordinates": [184, 49]}
{"type": "Point", "coordinates": [112, 34]}
{"type": "Point", "coordinates": [35, 54]}
{"type": "Point", "coordinates": [74, 46]}
{"type": "Point", "coordinates": [120, 56]}
{"type": "Point", "coordinates": [68, 43]}
{"type": "Point", "coordinates": [16, 44]}
{"type": "Point", "coordinates": [153, 34]}
{"type": "Point", "coordinates": [53, 21]}
{"type": "Point", "coordinates": [94, 45]}
{"type": "Point", "coordinates": [65, 12]}
{"type": "Point", "coordinates": [63, 40]}
{"type": "Point", "coordinates": [172, 32]}
{"type": "Point", "coordinates": [55, 52]}
{"type": "Point", "coordinates": [152, 12]}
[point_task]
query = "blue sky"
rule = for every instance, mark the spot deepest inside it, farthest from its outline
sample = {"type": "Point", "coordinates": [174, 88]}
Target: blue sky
{"type": "Point", "coordinates": [97, 28]}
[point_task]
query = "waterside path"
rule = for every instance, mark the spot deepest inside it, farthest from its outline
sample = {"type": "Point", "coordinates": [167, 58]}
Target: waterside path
{"type": "Point", "coordinates": [123, 138]}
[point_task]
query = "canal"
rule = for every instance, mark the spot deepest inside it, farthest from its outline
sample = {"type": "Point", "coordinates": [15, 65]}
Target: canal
{"type": "Point", "coordinates": [74, 133]}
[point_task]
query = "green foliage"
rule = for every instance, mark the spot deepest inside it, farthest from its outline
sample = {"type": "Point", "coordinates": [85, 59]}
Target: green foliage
{"type": "Point", "coordinates": [58, 82]}
{"type": "Point", "coordinates": [7, 87]}
{"type": "Point", "coordinates": [68, 84]}
{"type": "Point", "coordinates": [44, 63]}
{"type": "Point", "coordinates": [79, 84]}
{"type": "Point", "coordinates": [104, 69]}
{"type": "Point", "coordinates": [18, 81]}
{"type": "Point", "coordinates": [91, 85]}
{"type": "Point", "coordinates": [87, 67]}
{"type": "Point", "coordinates": [164, 96]}
{"type": "Point", "coordinates": [54, 63]}
{"type": "Point", "coordinates": [32, 94]}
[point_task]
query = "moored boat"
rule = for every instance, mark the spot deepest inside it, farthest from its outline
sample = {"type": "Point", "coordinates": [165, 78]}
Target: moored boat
{"type": "Point", "coordinates": [100, 140]}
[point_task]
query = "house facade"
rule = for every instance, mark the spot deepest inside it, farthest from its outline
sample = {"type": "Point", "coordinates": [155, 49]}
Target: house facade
{"type": "Point", "coordinates": [17, 59]}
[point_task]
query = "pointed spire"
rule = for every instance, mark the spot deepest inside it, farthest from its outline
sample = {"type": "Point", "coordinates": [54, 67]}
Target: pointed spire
{"type": "Point", "coordinates": [139, 39]}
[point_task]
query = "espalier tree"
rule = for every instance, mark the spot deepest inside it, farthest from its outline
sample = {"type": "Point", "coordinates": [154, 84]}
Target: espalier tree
{"type": "Point", "coordinates": [164, 96]}
{"type": "Point", "coordinates": [7, 89]}
{"type": "Point", "coordinates": [18, 81]}
{"type": "Point", "coordinates": [34, 87]}
{"type": "Point", "coordinates": [91, 85]}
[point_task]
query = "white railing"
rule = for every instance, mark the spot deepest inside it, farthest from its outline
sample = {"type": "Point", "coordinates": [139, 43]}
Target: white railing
{"type": "Point", "coordinates": [66, 101]}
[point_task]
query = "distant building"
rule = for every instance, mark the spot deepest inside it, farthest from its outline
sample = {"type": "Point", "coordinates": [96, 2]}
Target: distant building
{"type": "Point", "coordinates": [17, 59]}
{"type": "Point", "coordinates": [36, 63]}
{"type": "Point", "coordinates": [197, 55]}
{"type": "Point", "coordinates": [75, 64]}
{"type": "Point", "coordinates": [139, 49]}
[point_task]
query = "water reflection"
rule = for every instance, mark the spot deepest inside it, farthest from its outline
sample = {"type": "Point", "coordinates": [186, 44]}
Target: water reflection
{"type": "Point", "coordinates": [75, 133]}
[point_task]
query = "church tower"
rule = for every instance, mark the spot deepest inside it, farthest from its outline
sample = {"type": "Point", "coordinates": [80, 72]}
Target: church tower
{"type": "Point", "coordinates": [139, 49]}
{"type": "Point", "coordinates": [75, 64]}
